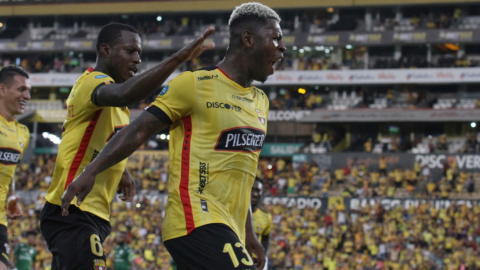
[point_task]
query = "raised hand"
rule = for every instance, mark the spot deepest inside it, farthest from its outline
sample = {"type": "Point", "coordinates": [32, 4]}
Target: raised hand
{"type": "Point", "coordinates": [197, 47]}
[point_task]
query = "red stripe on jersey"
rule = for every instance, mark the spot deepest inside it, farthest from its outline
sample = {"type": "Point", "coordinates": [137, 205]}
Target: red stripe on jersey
{"type": "Point", "coordinates": [82, 148]}
{"type": "Point", "coordinates": [184, 194]}
{"type": "Point", "coordinates": [225, 74]}
{"type": "Point", "coordinates": [90, 69]}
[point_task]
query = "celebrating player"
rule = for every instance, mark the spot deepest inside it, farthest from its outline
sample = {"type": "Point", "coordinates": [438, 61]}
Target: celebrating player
{"type": "Point", "coordinates": [262, 221]}
{"type": "Point", "coordinates": [14, 138]}
{"type": "Point", "coordinates": [217, 125]}
{"type": "Point", "coordinates": [96, 111]}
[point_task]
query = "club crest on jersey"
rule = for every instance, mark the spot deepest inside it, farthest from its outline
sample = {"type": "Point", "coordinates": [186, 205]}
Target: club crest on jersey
{"type": "Point", "coordinates": [262, 120]}
{"type": "Point", "coordinates": [164, 91]}
{"type": "Point", "coordinates": [99, 264]}
{"type": "Point", "coordinates": [241, 139]}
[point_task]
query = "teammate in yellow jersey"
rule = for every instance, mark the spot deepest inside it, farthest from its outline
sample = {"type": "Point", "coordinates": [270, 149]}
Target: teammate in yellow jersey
{"type": "Point", "coordinates": [14, 138]}
{"type": "Point", "coordinates": [97, 109]}
{"type": "Point", "coordinates": [218, 123]}
{"type": "Point", "coordinates": [262, 221]}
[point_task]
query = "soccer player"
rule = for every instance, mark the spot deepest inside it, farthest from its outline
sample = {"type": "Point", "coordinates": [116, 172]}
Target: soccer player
{"type": "Point", "coordinates": [14, 138]}
{"type": "Point", "coordinates": [123, 255]}
{"type": "Point", "coordinates": [217, 125]}
{"type": "Point", "coordinates": [262, 221]}
{"type": "Point", "coordinates": [97, 109]}
{"type": "Point", "coordinates": [25, 254]}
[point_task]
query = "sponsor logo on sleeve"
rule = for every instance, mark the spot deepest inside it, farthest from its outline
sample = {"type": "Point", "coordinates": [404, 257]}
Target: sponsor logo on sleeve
{"type": "Point", "coordinates": [241, 139]}
{"type": "Point", "coordinates": [101, 76]}
{"type": "Point", "coordinates": [9, 156]}
{"type": "Point", "coordinates": [164, 91]}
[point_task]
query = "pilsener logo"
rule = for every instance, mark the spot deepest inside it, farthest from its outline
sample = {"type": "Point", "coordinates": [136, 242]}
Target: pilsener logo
{"type": "Point", "coordinates": [9, 156]}
{"type": "Point", "coordinates": [241, 139]}
{"type": "Point", "coordinates": [223, 106]}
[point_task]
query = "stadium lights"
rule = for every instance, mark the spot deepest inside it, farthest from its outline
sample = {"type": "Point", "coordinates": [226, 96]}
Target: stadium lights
{"type": "Point", "coordinates": [269, 167]}
{"type": "Point", "coordinates": [159, 18]}
{"type": "Point", "coordinates": [294, 48]}
{"type": "Point", "coordinates": [330, 10]}
{"type": "Point", "coordinates": [327, 51]}
{"type": "Point", "coordinates": [168, 137]}
{"type": "Point", "coordinates": [306, 48]}
{"type": "Point", "coordinates": [302, 90]}
{"type": "Point", "coordinates": [53, 138]}
{"type": "Point", "coordinates": [138, 205]}
{"type": "Point", "coordinates": [473, 124]}
{"type": "Point", "coordinates": [349, 47]}
{"type": "Point", "coordinates": [317, 87]}
{"type": "Point", "coordinates": [163, 136]}
{"type": "Point", "coordinates": [319, 48]}
{"type": "Point", "coordinates": [1, 24]}
{"type": "Point", "coordinates": [301, 51]}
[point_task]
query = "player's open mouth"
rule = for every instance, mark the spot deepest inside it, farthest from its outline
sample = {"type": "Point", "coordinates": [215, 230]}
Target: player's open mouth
{"type": "Point", "coordinates": [23, 104]}
{"type": "Point", "coordinates": [276, 60]}
{"type": "Point", "coordinates": [133, 70]}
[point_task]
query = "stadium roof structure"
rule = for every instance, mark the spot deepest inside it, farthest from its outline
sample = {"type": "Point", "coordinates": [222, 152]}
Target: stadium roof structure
{"type": "Point", "coordinates": [89, 7]}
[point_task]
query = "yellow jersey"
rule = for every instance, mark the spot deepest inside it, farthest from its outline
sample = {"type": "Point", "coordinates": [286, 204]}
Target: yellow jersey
{"type": "Point", "coordinates": [217, 130]}
{"type": "Point", "coordinates": [86, 131]}
{"type": "Point", "coordinates": [14, 138]}
{"type": "Point", "coordinates": [262, 223]}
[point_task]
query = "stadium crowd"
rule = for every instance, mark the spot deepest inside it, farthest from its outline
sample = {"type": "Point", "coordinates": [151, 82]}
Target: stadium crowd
{"type": "Point", "coordinates": [371, 237]}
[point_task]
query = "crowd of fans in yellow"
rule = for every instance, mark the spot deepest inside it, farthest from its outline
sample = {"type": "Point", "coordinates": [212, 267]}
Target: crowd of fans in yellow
{"type": "Point", "coordinates": [301, 239]}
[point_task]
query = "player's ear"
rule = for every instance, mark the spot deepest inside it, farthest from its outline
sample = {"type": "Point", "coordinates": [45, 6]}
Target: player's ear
{"type": "Point", "coordinates": [3, 90]}
{"type": "Point", "coordinates": [248, 39]}
{"type": "Point", "coordinates": [105, 50]}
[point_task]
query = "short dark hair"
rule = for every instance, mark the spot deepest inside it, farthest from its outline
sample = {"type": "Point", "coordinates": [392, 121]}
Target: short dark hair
{"type": "Point", "coordinates": [111, 32]}
{"type": "Point", "coordinates": [31, 233]}
{"type": "Point", "coordinates": [7, 73]}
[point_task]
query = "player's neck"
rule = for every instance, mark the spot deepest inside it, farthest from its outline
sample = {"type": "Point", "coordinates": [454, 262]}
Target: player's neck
{"type": "Point", "coordinates": [236, 70]}
{"type": "Point", "coordinates": [5, 113]}
{"type": "Point", "coordinates": [254, 208]}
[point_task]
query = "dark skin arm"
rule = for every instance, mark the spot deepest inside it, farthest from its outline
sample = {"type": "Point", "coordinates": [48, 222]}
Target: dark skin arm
{"type": "Point", "coordinates": [121, 146]}
{"type": "Point", "coordinates": [251, 243]}
{"type": "Point", "coordinates": [145, 84]}
{"type": "Point", "coordinates": [266, 243]}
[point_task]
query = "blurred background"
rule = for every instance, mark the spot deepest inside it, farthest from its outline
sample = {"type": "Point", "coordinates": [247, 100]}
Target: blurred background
{"type": "Point", "coordinates": [371, 159]}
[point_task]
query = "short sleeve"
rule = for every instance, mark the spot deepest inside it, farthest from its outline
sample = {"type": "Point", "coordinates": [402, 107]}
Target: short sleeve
{"type": "Point", "coordinates": [176, 100]}
{"type": "Point", "coordinates": [269, 226]}
{"type": "Point", "coordinates": [85, 91]}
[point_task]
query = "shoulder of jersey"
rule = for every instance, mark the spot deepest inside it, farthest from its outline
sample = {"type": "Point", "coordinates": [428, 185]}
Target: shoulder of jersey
{"type": "Point", "coordinates": [23, 128]}
{"type": "Point", "coordinates": [260, 93]}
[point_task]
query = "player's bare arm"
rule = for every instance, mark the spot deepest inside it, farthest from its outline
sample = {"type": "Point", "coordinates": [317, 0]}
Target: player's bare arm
{"type": "Point", "coordinates": [122, 145]}
{"type": "Point", "coordinates": [252, 244]}
{"type": "Point", "coordinates": [145, 84]}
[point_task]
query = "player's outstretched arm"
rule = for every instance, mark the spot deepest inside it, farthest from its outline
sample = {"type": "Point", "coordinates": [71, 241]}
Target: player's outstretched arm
{"type": "Point", "coordinates": [252, 244]}
{"type": "Point", "coordinates": [145, 84]}
{"type": "Point", "coordinates": [122, 145]}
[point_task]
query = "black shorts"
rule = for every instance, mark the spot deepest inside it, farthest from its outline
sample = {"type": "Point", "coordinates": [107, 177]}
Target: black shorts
{"type": "Point", "coordinates": [212, 247]}
{"type": "Point", "coordinates": [4, 246]}
{"type": "Point", "coordinates": [75, 240]}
